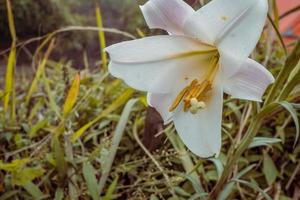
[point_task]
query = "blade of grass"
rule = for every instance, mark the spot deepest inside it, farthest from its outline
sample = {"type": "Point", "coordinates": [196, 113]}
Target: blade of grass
{"type": "Point", "coordinates": [229, 186]}
{"type": "Point", "coordinates": [276, 13]}
{"type": "Point", "coordinates": [59, 194]}
{"type": "Point", "coordinates": [72, 96]}
{"type": "Point", "coordinates": [284, 73]}
{"type": "Point", "coordinates": [101, 36]}
{"type": "Point", "coordinates": [34, 190]}
{"type": "Point", "coordinates": [121, 100]}
{"type": "Point", "coordinates": [39, 72]}
{"type": "Point", "coordinates": [9, 78]}
{"type": "Point", "coordinates": [289, 107]}
{"type": "Point", "coordinates": [11, 22]}
{"type": "Point", "coordinates": [115, 142]}
{"type": "Point", "coordinates": [59, 158]}
{"type": "Point", "coordinates": [111, 189]}
{"type": "Point", "coordinates": [254, 187]}
{"type": "Point", "coordinates": [278, 34]}
{"type": "Point", "coordinates": [89, 175]}
{"type": "Point", "coordinates": [52, 104]}
{"type": "Point", "coordinates": [49, 36]}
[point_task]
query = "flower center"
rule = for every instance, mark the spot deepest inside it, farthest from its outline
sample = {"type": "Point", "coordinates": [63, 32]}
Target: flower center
{"type": "Point", "coordinates": [195, 93]}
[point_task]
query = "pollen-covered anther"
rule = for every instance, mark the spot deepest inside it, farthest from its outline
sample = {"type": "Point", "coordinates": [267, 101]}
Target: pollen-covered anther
{"type": "Point", "coordinates": [197, 92]}
{"type": "Point", "coordinates": [196, 105]}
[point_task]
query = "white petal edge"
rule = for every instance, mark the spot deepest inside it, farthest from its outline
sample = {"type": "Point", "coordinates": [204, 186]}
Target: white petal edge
{"type": "Point", "coordinates": [250, 82]}
{"type": "Point", "coordinates": [234, 26]}
{"type": "Point", "coordinates": [162, 103]}
{"type": "Point", "coordinates": [201, 132]}
{"type": "Point", "coordinates": [167, 15]}
{"type": "Point", "coordinates": [152, 64]}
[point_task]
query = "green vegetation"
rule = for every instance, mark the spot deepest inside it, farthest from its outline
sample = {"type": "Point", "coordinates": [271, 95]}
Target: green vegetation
{"type": "Point", "coordinates": [76, 134]}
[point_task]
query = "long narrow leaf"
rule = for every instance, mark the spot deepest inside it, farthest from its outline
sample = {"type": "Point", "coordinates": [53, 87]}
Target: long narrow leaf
{"type": "Point", "coordinates": [289, 107]}
{"type": "Point", "coordinates": [72, 95]}
{"type": "Point", "coordinates": [115, 142]}
{"type": "Point", "coordinates": [9, 77]}
{"type": "Point", "coordinates": [101, 36]}
{"type": "Point", "coordinates": [121, 100]}
{"type": "Point", "coordinates": [39, 72]}
{"type": "Point", "coordinates": [89, 174]}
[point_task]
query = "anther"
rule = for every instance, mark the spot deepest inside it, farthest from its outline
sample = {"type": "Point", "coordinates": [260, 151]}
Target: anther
{"type": "Point", "coordinates": [196, 105]}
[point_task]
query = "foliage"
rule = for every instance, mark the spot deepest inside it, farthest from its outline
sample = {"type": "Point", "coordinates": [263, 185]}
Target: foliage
{"type": "Point", "coordinates": [70, 134]}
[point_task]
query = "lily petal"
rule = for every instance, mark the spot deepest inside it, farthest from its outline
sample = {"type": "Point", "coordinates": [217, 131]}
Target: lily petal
{"type": "Point", "coordinates": [234, 26]}
{"type": "Point", "coordinates": [250, 82]}
{"type": "Point", "coordinates": [167, 15]}
{"type": "Point", "coordinates": [162, 102]}
{"type": "Point", "coordinates": [201, 132]}
{"type": "Point", "coordinates": [157, 64]}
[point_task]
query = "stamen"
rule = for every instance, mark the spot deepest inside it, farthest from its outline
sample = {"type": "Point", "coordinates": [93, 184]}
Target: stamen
{"type": "Point", "coordinates": [196, 105]}
{"type": "Point", "coordinates": [194, 94]}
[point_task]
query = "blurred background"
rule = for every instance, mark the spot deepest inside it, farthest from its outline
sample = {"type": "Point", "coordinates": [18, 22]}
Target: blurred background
{"type": "Point", "coordinates": [36, 18]}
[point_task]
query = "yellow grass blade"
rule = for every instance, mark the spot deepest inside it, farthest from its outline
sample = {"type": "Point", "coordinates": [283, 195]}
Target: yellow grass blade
{"type": "Point", "coordinates": [72, 95]}
{"type": "Point", "coordinates": [39, 72]}
{"type": "Point", "coordinates": [101, 37]}
{"type": "Point", "coordinates": [121, 100]}
{"type": "Point", "coordinates": [11, 22]}
{"type": "Point", "coordinates": [9, 77]}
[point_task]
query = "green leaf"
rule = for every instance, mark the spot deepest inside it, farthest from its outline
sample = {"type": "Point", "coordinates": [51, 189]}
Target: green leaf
{"type": "Point", "coordinates": [229, 186]}
{"type": "Point", "coordinates": [34, 190]}
{"type": "Point", "coordinates": [40, 71]}
{"type": "Point", "coordinates": [277, 33]}
{"type": "Point", "coordinates": [38, 126]}
{"type": "Point", "coordinates": [9, 77]}
{"type": "Point", "coordinates": [59, 194]}
{"type": "Point", "coordinates": [269, 169]}
{"type": "Point", "coordinates": [289, 107]}
{"type": "Point", "coordinates": [26, 175]}
{"type": "Point", "coordinates": [101, 36]}
{"type": "Point", "coordinates": [121, 100]}
{"type": "Point", "coordinates": [263, 141]}
{"type": "Point", "coordinates": [254, 187]}
{"type": "Point", "coordinates": [14, 165]}
{"type": "Point", "coordinates": [59, 156]}
{"type": "Point", "coordinates": [115, 142]}
{"type": "Point", "coordinates": [219, 166]}
{"type": "Point", "coordinates": [9, 194]}
{"type": "Point", "coordinates": [72, 95]}
{"type": "Point", "coordinates": [196, 184]}
{"type": "Point", "coordinates": [89, 174]}
{"type": "Point", "coordinates": [110, 191]}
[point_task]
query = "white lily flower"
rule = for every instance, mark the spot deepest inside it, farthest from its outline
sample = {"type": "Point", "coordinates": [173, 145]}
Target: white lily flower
{"type": "Point", "coordinates": [186, 72]}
